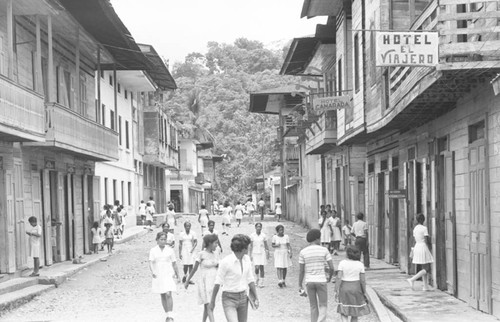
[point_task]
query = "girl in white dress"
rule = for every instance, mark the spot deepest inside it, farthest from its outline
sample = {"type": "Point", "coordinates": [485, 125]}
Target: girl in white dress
{"type": "Point", "coordinates": [259, 253]}
{"type": "Point", "coordinates": [203, 218]}
{"type": "Point", "coordinates": [282, 254]}
{"type": "Point", "coordinates": [277, 208]}
{"type": "Point", "coordinates": [325, 227]}
{"type": "Point", "coordinates": [421, 253]}
{"type": "Point", "coordinates": [163, 267]}
{"type": "Point", "coordinates": [337, 234]}
{"type": "Point", "coordinates": [227, 212]}
{"type": "Point", "coordinates": [238, 212]}
{"type": "Point", "coordinates": [208, 261]}
{"type": "Point", "coordinates": [187, 244]}
{"type": "Point", "coordinates": [172, 222]}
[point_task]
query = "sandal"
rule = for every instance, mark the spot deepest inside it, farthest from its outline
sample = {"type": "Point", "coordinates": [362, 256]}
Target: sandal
{"type": "Point", "coordinates": [34, 275]}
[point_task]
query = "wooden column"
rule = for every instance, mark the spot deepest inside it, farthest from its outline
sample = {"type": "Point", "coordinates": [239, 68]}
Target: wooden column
{"type": "Point", "coordinates": [115, 92]}
{"type": "Point", "coordinates": [50, 69]}
{"type": "Point", "coordinates": [10, 38]}
{"type": "Point", "coordinates": [99, 106]}
{"type": "Point", "coordinates": [77, 77]}
{"type": "Point", "coordinates": [38, 60]}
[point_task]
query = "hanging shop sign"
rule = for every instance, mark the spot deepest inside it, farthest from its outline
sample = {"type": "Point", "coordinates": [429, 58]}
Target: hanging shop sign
{"type": "Point", "coordinates": [331, 103]}
{"type": "Point", "coordinates": [406, 48]}
{"type": "Point", "coordinates": [397, 194]}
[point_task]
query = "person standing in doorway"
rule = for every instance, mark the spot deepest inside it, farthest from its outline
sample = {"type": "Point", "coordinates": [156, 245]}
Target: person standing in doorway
{"type": "Point", "coordinates": [312, 260]}
{"type": "Point", "coordinates": [236, 277]}
{"type": "Point", "coordinates": [277, 209]}
{"type": "Point", "coordinates": [35, 237]}
{"type": "Point", "coordinates": [421, 253]}
{"type": "Point", "coordinates": [262, 206]}
{"type": "Point", "coordinates": [360, 232]}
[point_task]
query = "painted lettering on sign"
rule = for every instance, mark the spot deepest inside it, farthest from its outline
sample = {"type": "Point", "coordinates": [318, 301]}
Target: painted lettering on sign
{"type": "Point", "coordinates": [331, 103]}
{"type": "Point", "coordinates": [407, 48]}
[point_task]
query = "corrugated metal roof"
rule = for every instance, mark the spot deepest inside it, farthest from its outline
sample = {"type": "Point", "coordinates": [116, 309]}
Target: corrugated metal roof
{"type": "Point", "coordinates": [159, 73]}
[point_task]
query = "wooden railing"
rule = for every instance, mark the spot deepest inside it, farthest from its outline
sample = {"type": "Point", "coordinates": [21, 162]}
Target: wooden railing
{"type": "Point", "coordinates": [292, 152]}
{"type": "Point", "coordinates": [22, 109]}
{"type": "Point", "coordinates": [469, 32]}
{"type": "Point", "coordinates": [72, 131]}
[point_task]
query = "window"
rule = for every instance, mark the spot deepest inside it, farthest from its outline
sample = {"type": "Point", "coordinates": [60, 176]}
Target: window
{"type": "Point", "coordinates": [373, 70]}
{"type": "Point", "coordinates": [112, 119]}
{"type": "Point", "coordinates": [371, 167]}
{"type": "Point", "coordinates": [339, 77]}
{"type": "Point", "coordinates": [384, 165]}
{"type": "Point", "coordinates": [126, 94]}
{"type": "Point", "coordinates": [123, 192]}
{"type": "Point", "coordinates": [356, 63]}
{"type": "Point", "coordinates": [127, 142]}
{"type": "Point", "coordinates": [115, 187]}
{"type": "Point", "coordinates": [129, 193]}
{"type": "Point", "coordinates": [83, 94]}
{"type": "Point", "coordinates": [119, 88]}
{"type": "Point", "coordinates": [131, 96]}
{"type": "Point", "coordinates": [103, 115]}
{"type": "Point", "coordinates": [120, 130]}
{"type": "Point", "coordinates": [106, 191]}
{"type": "Point", "coordinates": [386, 89]}
{"type": "Point", "coordinates": [102, 74]}
{"type": "Point", "coordinates": [145, 174]}
{"type": "Point", "coordinates": [110, 80]}
{"type": "Point", "coordinates": [476, 131]}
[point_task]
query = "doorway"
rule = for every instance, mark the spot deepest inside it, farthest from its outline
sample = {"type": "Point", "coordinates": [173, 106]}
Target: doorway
{"type": "Point", "coordinates": [176, 199]}
{"type": "Point", "coordinates": [380, 215]}
{"type": "Point", "coordinates": [394, 218]}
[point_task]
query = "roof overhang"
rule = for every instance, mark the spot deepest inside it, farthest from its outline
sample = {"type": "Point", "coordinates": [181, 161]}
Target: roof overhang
{"type": "Point", "coordinates": [315, 8]}
{"type": "Point", "coordinates": [159, 71]}
{"type": "Point", "coordinates": [275, 100]}
{"type": "Point", "coordinates": [136, 79]}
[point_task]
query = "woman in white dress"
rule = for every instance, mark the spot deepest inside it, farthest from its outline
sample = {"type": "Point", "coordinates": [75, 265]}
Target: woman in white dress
{"type": "Point", "coordinates": [336, 232]}
{"type": "Point", "coordinates": [282, 254]}
{"type": "Point", "coordinates": [326, 228]}
{"type": "Point", "coordinates": [227, 212]}
{"type": "Point", "coordinates": [421, 253]}
{"type": "Point", "coordinates": [238, 212]}
{"type": "Point", "coordinates": [277, 209]}
{"type": "Point", "coordinates": [163, 267]}
{"type": "Point", "coordinates": [259, 253]}
{"type": "Point", "coordinates": [187, 244]}
{"type": "Point", "coordinates": [203, 218]}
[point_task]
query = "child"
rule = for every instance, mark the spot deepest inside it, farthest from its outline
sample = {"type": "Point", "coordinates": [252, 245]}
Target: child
{"type": "Point", "coordinates": [277, 208]}
{"type": "Point", "coordinates": [150, 210]}
{"type": "Point", "coordinates": [325, 225]}
{"type": "Point", "coordinates": [312, 261]}
{"type": "Point", "coordinates": [421, 253]}
{"type": "Point", "coordinates": [208, 260]}
{"type": "Point", "coordinates": [96, 236]}
{"type": "Point", "coordinates": [203, 218]}
{"type": "Point", "coordinates": [227, 211]}
{"type": "Point", "coordinates": [109, 237]}
{"type": "Point", "coordinates": [347, 230]}
{"type": "Point", "coordinates": [238, 212]}
{"type": "Point", "coordinates": [170, 236]}
{"type": "Point", "coordinates": [187, 245]}
{"type": "Point", "coordinates": [162, 264]}
{"type": "Point", "coordinates": [35, 234]}
{"type": "Point", "coordinates": [142, 211]}
{"type": "Point", "coordinates": [172, 222]}
{"type": "Point", "coordinates": [250, 207]}
{"type": "Point", "coordinates": [282, 254]}
{"type": "Point", "coordinates": [350, 286]}
{"type": "Point", "coordinates": [259, 253]}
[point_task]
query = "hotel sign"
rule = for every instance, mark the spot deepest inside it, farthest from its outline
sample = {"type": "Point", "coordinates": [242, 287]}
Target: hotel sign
{"type": "Point", "coordinates": [331, 103]}
{"type": "Point", "coordinates": [406, 48]}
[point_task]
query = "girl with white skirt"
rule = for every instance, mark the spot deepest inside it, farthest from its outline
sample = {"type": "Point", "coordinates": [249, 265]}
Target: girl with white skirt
{"type": "Point", "coordinates": [421, 253]}
{"type": "Point", "coordinates": [282, 254]}
{"type": "Point", "coordinates": [259, 253]}
{"type": "Point", "coordinates": [187, 244]}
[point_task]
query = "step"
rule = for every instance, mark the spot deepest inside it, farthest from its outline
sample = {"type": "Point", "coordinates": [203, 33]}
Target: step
{"type": "Point", "coordinates": [17, 298]}
{"type": "Point", "coordinates": [17, 284]}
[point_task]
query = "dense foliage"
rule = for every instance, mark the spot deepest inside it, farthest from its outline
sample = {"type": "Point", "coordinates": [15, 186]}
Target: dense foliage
{"type": "Point", "coordinates": [212, 101]}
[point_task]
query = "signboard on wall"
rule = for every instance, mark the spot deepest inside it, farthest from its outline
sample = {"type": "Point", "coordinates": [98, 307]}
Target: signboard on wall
{"type": "Point", "coordinates": [331, 103]}
{"type": "Point", "coordinates": [406, 48]}
{"type": "Point", "coordinates": [397, 194]}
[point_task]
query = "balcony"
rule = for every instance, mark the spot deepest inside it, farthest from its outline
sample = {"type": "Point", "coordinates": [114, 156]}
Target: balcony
{"type": "Point", "coordinates": [292, 153]}
{"type": "Point", "coordinates": [71, 132]}
{"type": "Point", "coordinates": [469, 55]}
{"type": "Point", "coordinates": [21, 113]}
{"type": "Point", "coordinates": [322, 134]}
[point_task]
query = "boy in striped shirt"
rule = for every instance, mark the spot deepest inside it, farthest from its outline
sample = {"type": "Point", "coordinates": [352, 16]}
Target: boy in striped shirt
{"type": "Point", "coordinates": [312, 260]}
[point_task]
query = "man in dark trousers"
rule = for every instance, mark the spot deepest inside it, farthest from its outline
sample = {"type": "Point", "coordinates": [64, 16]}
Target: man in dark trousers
{"type": "Point", "coordinates": [360, 231]}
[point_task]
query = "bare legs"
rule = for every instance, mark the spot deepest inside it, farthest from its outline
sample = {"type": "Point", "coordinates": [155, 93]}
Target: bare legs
{"type": "Point", "coordinates": [421, 274]}
{"type": "Point", "coordinates": [167, 302]}
{"type": "Point", "coordinates": [281, 276]}
{"type": "Point", "coordinates": [208, 313]}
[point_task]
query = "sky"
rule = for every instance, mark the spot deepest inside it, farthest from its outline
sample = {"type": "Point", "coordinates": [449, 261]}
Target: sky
{"type": "Point", "coordinates": [177, 28]}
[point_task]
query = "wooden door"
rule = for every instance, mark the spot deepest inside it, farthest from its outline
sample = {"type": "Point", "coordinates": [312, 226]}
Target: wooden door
{"type": "Point", "coordinates": [370, 214]}
{"type": "Point", "coordinates": [36, 201]}
{"type": "Point", "coordinates": [21, 221]}
{"type": "Point", "coordinates": [480, 262]}
{"type": "Point", "coordinates": [414, 198]}
{"type": "Point", "coordinates": [61, 223]}
{"type": "Point", "coordinates": [11, 222]}
{"type": "Point", "coordinates": [394, 218]}
{"type": "Point", "coordinates": [96, 197]}
{"type": "Point", "coordinates": [448, 169]}
{"type": "Point", "coordinates": [47, 218]}
{"type": "Point", "coordinates": [381, 215]}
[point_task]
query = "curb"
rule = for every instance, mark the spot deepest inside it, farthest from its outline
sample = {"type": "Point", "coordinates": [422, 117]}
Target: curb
{"type": "Point", "coordinates": [377, 305]}
{"type": "Point", "coordinates": [133, 236]}
{"type": "Point", "coordinates": [391, 306]}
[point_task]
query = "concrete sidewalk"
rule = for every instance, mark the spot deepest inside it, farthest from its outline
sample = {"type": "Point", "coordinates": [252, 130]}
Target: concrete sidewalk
{"type": "Point", "coordinates": [417, 306]}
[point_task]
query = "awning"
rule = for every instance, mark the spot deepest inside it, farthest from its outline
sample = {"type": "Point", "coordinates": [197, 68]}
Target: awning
{"type": "Point", "coordinates": [159, 71]}
{"type": "Point", "coordinates": [100, 20]}
{"type": "Point", "coordinates": [273, 100]}
{"type": "Point", "coordinates": [314, 8]}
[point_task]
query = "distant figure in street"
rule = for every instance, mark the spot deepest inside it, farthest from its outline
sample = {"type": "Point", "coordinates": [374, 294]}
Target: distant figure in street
{"type": "Point", "coordinates": [360, 231]}
{"type": "Point", "coordinates": [172, 221]}
{"type": "Point", "coordinates": [212, 231]}
{"type": "Point", "coordinates": [346, 233]}
{"type": "Point", "coordinates": [152, 203]}
{"type": "Point", "coordinates": [110, 237]}
{"type": "Point", "coordinates": [236, 277]}
{"type": "Point", "coordinates": [312, 261]}
{"type": "Point", "coordinates": [227, 212]}
{"type": "Point", "coordinates": [165, 227]}
{"type": "Point", "coordinates": [282, 254]}
{"type": "Point", "coordinates": [259, 253]}
{"type": "Point", "coordinates": [325, 226]}
{"type": "Point", "coordinates": [350, 287]}
{"type": "Point", "coordinates": [261, 206]}
{"type": "Point", "coordinates": [277, 208]}
{"type": "Point", "coordinates": [142, 211]}
{"type": "Point", "coordinates": [250, 207]}
{"type": "Point", "coordinates": [215, 207]}
{"type": "Point", "coordinates": [122, 213]}
{"type": "Point", "coordinates": [187, 244]}
{"type": "Point", "coordinates": [203, 218]}
{"type": "Point", "coordinates": [96, 236]}
{"type": "Point", "coordinates": [238, 213]}
{"type": "Point", "coordinates": [336, 233]}
{"type": "Point", "coordinates": [162, 264]}
{"type": "Point", "coordinates": [421, 253]}
{"type": "Point", "coordinates": [35, 237]}
{"type": "Point", "coordinates": [150, 211]}
{"type": "Point", "coordinates": [208, 261]}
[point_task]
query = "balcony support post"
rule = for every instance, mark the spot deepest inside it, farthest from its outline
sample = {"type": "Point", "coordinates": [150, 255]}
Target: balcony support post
{"type": "Point", "coordinates": [50, 69]}
{"type": "Point", "coordinates": [115, 92]}
{"type": "Point", "coordinates": [38, 59]}
{"type": "Point", "coordinates": [78, 106]}
{"type": "Point", "coordinates": [10, 38]}
{"type": "Point", "coordinates": [99, 106]}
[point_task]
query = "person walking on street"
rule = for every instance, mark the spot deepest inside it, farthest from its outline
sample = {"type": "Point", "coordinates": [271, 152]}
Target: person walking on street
{"type": "Point", "coordinates": [208, 261]}
{"type": "Point", "coordinates": [360, 231]}
{"type": "Point", "coordinates": [337, 234]}
{"type": "Point", "coordinates": [259, 253]}
{"type": "Point", "coordinates": [350, 287]}
{"type": "Point", "coordinates": [261, 206]}
{"type": "Point", "coordinates": [312, 261]}
{"type": "Point", "coordinates": [421, 253]}
{"type": "Point", "coordinates": [142, 211]}
{"type": "Point", "coordinates": [325, 226]}
{"type": "Point", "coordinates": [187, 245]}
{"type": "Point", "coordinates": [282, 254]}
{"type": "Point", "coordinates": [227, 212]}
{"type": "Point", "coordinates": [203, 218]}
{"type": "Point", "coordinates": [162, 264]}
{"type": "Point", "coordinates": [277, 209]}
{"type": "Point", "coordinates": [347, 233]}
{"type": "Point", "coordinates": [172, 221]}
{"type": "Point", "coordinates": [251, 211]}
{"type": "Point", "coordinates": [150, 211]}
{"type": "Point", "coordinates": [236, 277]}
{"type": "Point", "coordinates": [238, 212]}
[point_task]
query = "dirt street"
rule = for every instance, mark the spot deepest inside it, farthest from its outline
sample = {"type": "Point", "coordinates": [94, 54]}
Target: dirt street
{"type": "Point", "coordinates": [119, 289]}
